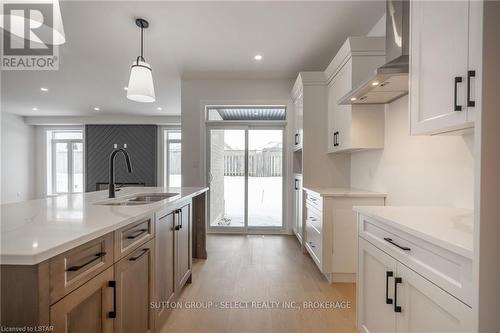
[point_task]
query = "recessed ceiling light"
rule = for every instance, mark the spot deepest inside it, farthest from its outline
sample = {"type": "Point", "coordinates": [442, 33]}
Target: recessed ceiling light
{"type": "Point", "coordinates": [34, 109]}
{"type": "Point", "coordinates": [159, 108]}
{"type": "Point", "coordinates": [44, 89]}
{"type": "Point", "coordinates": [258, 57]}
{"type": "Point", "coordinates": [353, 99]}
{"type": "Point", "coordinates": [375, 83]}
{"type": "Point", "coordinates": [96, 108]}
{"type": "Point", "coordinates": [125, 88]}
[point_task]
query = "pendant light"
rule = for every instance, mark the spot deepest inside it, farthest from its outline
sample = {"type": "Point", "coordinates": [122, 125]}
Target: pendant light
{"type": "Point", "coordinates": [140, 84]}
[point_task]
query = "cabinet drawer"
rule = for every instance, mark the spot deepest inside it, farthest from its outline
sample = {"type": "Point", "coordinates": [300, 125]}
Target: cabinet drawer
{"type": "Point", "coordinates": [71, 269]}
{"type": "Point", "coordinates": [448, 270]}
{"type": "Point", "coordinates": [133, 235]}
{"type": "Point", "coordinates": [314, 200]}
{"type": "Point", "coordinates": [313, 216]}
{"type": "Point", "coordinates": [313, 243]}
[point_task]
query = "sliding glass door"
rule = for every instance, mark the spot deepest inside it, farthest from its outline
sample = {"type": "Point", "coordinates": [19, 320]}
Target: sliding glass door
{"type": "Point", "coordinates": [245, 175]}
{"type": "Point", "coordinates": [265, 178]}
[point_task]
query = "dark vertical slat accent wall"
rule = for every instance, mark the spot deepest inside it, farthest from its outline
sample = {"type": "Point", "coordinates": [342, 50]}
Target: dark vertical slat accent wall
{"type": "Point", "coordinates": [141, 143]}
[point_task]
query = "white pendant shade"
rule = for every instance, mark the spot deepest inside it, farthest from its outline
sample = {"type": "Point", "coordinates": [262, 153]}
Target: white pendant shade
{"type": "Point", "coordinates": [17, 22]}
{"type": "Point", "coordinates": [140, 84]}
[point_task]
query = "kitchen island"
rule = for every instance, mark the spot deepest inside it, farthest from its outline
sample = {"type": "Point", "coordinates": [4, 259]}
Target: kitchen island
{"type": "Point", "coordinates": [82, 262]}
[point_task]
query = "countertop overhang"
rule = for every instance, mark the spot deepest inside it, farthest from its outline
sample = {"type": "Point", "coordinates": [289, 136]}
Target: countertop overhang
{"type": "Point", "coordinates": [447, 227]}
{"type": "Point", "coordinates": [36, 230]}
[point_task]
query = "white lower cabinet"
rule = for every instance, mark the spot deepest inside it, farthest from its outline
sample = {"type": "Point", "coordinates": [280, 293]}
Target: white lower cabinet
{"type": "Point", "coordinates": [395, 298]}
{"type": "Point", "coordinates": [375, 312]}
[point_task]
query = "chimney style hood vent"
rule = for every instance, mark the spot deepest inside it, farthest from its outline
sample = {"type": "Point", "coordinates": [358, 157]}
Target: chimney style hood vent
{"type": "Point", "coordinates": [389, 81]}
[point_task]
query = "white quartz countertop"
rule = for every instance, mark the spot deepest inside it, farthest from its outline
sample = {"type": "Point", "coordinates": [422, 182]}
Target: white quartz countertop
{"type": "Point", "coordinates": [35, 230]}
{"type": "Point", "coordinates": [343, 192]}
{"type": "Point", "coordinates": [450, 228]}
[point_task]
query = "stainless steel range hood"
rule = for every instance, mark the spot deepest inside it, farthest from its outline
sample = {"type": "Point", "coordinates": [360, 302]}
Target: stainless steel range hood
{"type": "Point", "coordinates": [389, 81]}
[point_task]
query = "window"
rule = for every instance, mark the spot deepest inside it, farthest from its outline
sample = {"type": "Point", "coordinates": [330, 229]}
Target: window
{"type": "Point", "coordinates": [64, 161]}
{"type": "Point", "coordinates": [172, 156]}
{"type": "Point", "coordinates": [245, 113]}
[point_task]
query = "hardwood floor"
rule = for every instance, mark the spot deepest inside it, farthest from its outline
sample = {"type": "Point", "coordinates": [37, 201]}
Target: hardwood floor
{"type": "Point", "coordinates": [268, 268]}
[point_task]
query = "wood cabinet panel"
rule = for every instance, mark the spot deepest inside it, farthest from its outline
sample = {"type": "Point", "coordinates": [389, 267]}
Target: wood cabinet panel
{"type": "Point", "coordinates": [183, 245]}
{"type": "Point", "coordinates": [165, 272]}
{"type": "Point", "coordinates": [86, 309]}
{"type": "Point", "coordinates": [134, 291]}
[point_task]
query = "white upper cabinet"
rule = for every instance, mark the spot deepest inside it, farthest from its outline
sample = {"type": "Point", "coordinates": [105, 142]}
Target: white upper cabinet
{"type": "Point", "coordinates": [444, 65]}
{"type": "Point", "coordinates": [354, 127]}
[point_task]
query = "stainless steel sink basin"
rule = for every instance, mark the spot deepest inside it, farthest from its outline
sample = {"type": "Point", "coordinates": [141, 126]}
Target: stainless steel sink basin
{"type": "Point", "coordinates": [140, 199]}
{"type": "Point", "coordinates": [152, 197]}
{"type": "Point", "coordinates": [122, 203]}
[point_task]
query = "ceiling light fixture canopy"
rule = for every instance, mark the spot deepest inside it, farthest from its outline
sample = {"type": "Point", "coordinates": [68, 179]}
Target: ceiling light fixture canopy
{"type": "Point", "coordinates": [140, 84]}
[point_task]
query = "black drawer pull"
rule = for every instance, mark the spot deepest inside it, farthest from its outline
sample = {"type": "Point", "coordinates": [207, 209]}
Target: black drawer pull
{"type": "Point", "coordinates": [470, 74]}
{"type": "Point", "coordinates": [397, 280]}
{"type": "Point", "coordinates": [112, 314]}
{"type": "Point", "coordinates": [404, 248]}
{"type": "Point", "coordinates": [137, 234]}
{"type": "Point", "coordinates": [78, 267]}
{"type": "Point", "coordinates": [312, 219]}
{"type": "Point", "coordinates": [143, 252]}
{"type": "Point", "coordinates": [296, 184]}
{"type": "Point", "coordinates": [311, 244]}
{"type": "Point", "coordinates": [296, 138]}
{"type": "Point", "coordinates": [458, 79]}
{"type": "Point", "coordinates": [387, 276]}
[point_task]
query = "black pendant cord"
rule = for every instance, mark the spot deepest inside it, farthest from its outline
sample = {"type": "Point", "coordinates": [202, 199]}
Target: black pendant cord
{"type": "Point", "coordinates": [141, 57]}
{"type": "Point", "coordinates": [143, 24]}
{"type": "Point", "coordinates": [142, 43]}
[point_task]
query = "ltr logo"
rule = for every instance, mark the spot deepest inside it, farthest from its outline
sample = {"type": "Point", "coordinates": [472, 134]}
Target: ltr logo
{"type": "Point", "coordinates": [28, 37]}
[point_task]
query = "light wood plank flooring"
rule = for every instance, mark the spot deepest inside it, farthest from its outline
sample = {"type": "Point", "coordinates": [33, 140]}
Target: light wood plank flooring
{"type": "Point", "coordinates": [260, 268]}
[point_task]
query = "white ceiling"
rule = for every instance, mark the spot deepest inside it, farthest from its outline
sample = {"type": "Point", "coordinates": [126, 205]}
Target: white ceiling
{"type": "Point", "coordinates": [185, 39]}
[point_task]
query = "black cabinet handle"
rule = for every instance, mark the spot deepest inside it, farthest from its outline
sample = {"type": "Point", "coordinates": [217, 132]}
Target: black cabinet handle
{"type": "Point", "coordinates": [469, 101]}
{"type": "Point", "coordinates": [94, 258]}
{"type": "Point", "coordinates": [112, 284]}
{"type": "Point", "coordinates": [296, 184]}
{"type": "Point", "coordinates": [140, 232]}
{"type": "Point", "coordinates": [296, 138]}
{"type": "Point", "coordinates": [404, 248]}
{"type": "Point", "coordinates": [311, 244]}
{"type": "Point", "coordinates": [335, 139]}
{"type": "Point", "coordinates": [178, 218]}
{"type": "Point", "coordinates": [458, 79]}
{"type": "Point", "coordinates": [143, 252]}
{"type": "Point", "coordinates": [387, 276]}
{"type": "Point", "coordinates": [397, 280]}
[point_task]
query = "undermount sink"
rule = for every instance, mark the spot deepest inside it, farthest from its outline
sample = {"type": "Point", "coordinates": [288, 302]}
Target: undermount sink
{"type": "Point", "coordinates": [140, 199]}
{"type": "Point", "coordinates": [152, 197]}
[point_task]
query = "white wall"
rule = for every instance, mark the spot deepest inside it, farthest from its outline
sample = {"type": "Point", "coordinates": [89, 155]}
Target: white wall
{"type": "Point", "coordinates": [417, 170]}
{"type": "Point", "coordinates": [18, 159]}
{"type": "Point", "coordinates": [197, 93]}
